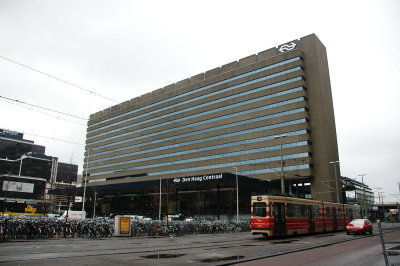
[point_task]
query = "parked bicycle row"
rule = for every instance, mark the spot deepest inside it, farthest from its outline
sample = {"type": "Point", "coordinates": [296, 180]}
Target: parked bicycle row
{"type": "Point", "coordinates": [31, 227]}
{"type": "Point", "coordinates": [177, 228]}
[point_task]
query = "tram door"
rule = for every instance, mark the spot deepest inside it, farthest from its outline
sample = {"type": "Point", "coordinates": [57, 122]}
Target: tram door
{"type": "Point", "coordinates": [334, 216]}
{"type": "Point", "coordinates": [279, 219]}
{"type": "Point", "coordinates": [311, 220]}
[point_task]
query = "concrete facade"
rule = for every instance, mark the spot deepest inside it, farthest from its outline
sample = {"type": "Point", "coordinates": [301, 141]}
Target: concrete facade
{"type": "Point", "coordinates": [224, 119]}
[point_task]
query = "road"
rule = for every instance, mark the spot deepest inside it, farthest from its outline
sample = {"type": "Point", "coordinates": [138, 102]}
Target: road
{"type": "Point", "coordinates": [240, 248]}
{"type": "Point", "coordinates": [361, 251]}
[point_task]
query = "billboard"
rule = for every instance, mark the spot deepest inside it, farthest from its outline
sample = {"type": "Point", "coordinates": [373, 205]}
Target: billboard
{"type": "Point", "coordinates": [11, 134]}
{"type": "Point", "coordinates": [18, 186]}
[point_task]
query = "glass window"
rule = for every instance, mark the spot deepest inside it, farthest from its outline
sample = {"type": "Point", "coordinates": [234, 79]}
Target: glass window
{"type": "Point", "coordinates": [259, 209]}
{"type": "Point", "coordinates": [316, 211]}
{"type": "Point", "coordinates": [303, 209]}
{"type": "Point", "coordinates": [328, 212]}
{"type": "Point", "coordinates": [290, 210]}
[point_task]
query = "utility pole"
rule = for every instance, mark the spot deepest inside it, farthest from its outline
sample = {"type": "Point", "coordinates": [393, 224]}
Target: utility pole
{"type": "Point", "coordinates": [336, 181]}
{"type": "Point", "coordinates": [159, 206]}
{"type": "Point", "coordinates": [84, 189]}
{"type": "Point", "coordinates": [364, 202]}
{"type": "Point", "coordinates": [237, 196]}
{"type": "Point", "coordinates": [282, 179]}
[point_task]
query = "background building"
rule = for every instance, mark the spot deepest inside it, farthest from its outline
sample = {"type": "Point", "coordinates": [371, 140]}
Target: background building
{"type": "Point", "coordinates": [27, 174]}
{"type": "Point", "coordinates": [265, 117]}
{"type": "Point", "coordinates": [358, 193]}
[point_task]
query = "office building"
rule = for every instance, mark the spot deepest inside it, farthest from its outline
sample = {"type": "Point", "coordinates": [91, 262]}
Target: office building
{"type": "Point", "coordinates": [27, 173]}
{"type": "Point", "coordinates": [266, 118]}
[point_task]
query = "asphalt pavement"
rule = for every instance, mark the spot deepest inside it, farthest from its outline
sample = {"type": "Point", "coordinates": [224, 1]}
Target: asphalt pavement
{"type": "Point", "coordinates": [208, 249]}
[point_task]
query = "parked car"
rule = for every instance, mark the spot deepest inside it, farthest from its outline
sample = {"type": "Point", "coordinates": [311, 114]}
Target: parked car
{"type": "Point", "coordinates": [359, 226]}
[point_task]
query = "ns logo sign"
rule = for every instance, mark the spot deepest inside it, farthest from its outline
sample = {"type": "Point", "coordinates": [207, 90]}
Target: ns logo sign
{"type": "Point", "coordinates": [287, 47]}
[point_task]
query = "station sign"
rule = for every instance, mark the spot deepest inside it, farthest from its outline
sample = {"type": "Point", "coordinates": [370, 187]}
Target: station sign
{"type": "Point", "coordinates": [287, 47]}
{"type": "Point", "coordinates": [200, 178]}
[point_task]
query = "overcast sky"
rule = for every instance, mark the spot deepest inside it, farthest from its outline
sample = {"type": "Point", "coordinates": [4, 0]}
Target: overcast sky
{"type": "Point", "coordinates": [122, 49]}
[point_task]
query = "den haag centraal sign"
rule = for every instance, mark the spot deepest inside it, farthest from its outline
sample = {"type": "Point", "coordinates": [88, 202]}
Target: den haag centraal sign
{"type": "Point", "coordinates": [200, 178]}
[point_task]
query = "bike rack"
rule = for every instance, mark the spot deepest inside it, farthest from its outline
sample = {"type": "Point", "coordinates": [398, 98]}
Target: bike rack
{"type": "Point", "coordinates": [393, 251]}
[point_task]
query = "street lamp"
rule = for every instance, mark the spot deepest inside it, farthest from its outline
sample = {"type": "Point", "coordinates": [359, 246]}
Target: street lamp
{"type": "Point", "coordinates": [237, 196]}
{"type": "Point", "coordinates": [336, 180]}
{"type": "Point", "coordinates": [159, 205]}
{"type": "Point", "coordinates": [282, 180]}
{"type": "Point", "coordinates": [364, 203]}
{"type": "Point", "coordinates": [84, 186]}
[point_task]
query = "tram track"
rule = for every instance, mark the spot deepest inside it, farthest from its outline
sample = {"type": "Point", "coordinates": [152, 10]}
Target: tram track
{"type": "Point", "coordinates": [93, 249]}
{"type": "Point", "coordinates": [219, 249]}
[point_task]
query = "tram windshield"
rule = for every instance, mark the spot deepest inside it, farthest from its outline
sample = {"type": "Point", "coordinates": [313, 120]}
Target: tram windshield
{"type": "Point", "coordinates": [259, 209]}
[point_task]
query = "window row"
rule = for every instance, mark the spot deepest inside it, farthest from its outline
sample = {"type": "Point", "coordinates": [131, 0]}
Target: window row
{"type": "Point", "coordinates": [215, 110]}
{"type": "Point", "coordinates": [195, 141]}
{"type": "Point", "coordinates": [225, 165]}
{"type": "Point", "coordinates": [302, 210]}
{"type": "Point", "coordinates": [199, 89]}
{"type": "Point", "coordinates": [195, 106]}
{"type": "Point", "coordinates": [189, 151]}
{"type": "Point", "coordinates": [197, 132]}
{"type": "Point", "coordinates": [197, 159]}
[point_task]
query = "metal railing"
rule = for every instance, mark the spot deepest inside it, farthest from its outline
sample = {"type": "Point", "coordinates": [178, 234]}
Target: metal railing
{"type": "Point", "coordinates": [389, 253]}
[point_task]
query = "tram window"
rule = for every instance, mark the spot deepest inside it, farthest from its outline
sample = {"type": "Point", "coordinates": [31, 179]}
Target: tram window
{"type": "Point", "coordinates": [293, 210]}
{"type": "Point", "coordinates": [328, 212]}
{"type": "Point", "coordinates": [316, 211]}
{"type": "Point", "coordinates": [297, 212]}
{"type": "Point", "coordinates": [259, 209]}
{"type": "Point", "coordinates": [350, 213]}
{"type": "Point", "coordinates": [340, 212]}
{"type": "Point", "coordinates": [290, 210]}
{"type": "Point", "coordinates": [303, 210]}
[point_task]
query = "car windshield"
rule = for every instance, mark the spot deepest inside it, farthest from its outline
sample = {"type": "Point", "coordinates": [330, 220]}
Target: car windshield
{"type": "Point", "coordinates": [357, 222]}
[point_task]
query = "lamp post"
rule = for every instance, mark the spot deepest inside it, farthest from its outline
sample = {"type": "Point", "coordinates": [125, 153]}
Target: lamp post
{"type": "Point", "coordinates": [84, 186]}
{"type": "Point", "coordinates": [237, 196]}
{"type": "Point", "coordinates": [364, 203]}
{"type": "Point", "coordinates": [282, 180]}
{"type": "Point", "coordinates": [336, 180]}
{"type": "Point", "coordinates": [159, 205]}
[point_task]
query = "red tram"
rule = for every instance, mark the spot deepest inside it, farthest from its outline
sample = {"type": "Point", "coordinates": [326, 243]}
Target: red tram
{"type": "Point", "coordinates": [285, 216]}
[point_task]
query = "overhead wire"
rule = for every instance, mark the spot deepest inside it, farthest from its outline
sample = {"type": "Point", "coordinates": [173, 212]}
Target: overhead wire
{"type": "Point", "coordinates": [44, 108]}
{"type": "Point", "coordinates": [21, 103]}
{"type": "Point", "coordinates": [42, 112]}
{"type": "Point", "coordinates": [56, 78]}
{"type": "Point", "coordinates": [66, 141]}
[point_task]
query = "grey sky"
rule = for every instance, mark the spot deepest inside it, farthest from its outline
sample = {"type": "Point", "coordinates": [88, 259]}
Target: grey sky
{"type": "Point", "coordinates": [123, 49]}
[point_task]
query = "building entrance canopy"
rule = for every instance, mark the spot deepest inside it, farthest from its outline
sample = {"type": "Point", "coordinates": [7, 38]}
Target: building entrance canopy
{"type": "Point", "coordinates": [200, 182]}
